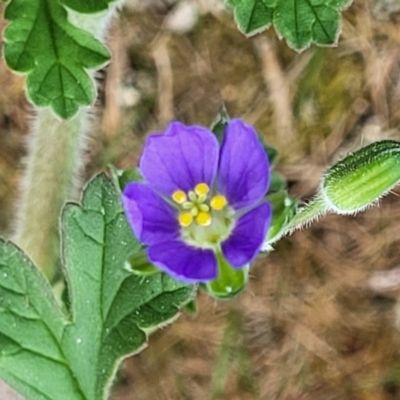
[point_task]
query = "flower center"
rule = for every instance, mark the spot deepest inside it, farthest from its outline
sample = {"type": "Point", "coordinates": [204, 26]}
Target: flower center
{"type": "Point", "coordinates": [206, 220]}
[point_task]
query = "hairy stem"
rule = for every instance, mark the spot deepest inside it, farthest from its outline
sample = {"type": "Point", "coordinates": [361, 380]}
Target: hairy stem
{"type": "Point", "coordinates": [53, 165]}
{"type": "Point", "coordinates": [53, 160]}
{"type": "Point", "coordinates": [307, 214]}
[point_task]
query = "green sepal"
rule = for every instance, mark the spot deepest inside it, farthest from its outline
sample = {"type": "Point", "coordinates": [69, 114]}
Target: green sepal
{"type": "Point", "coordinates": [272, 154]}
{"type": "Point", "coordinates": [121, 177]}
{"type": "Point", "coordinates": [283, 211]}
{"type": "Point", "coordinates": [191, 307]}
{"type": "Point", "coordinates": [220, 123]}
{"type": "Point", "coordinates": [138, 264]}
{"type": "Point", "coordinates": [277, 183]}
{"type": "Point", "coordinates": [362, 177]}
{"type": "Point", "coordinates": [230, 281]}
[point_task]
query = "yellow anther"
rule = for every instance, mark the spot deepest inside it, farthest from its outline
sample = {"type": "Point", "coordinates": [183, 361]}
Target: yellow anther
{"type": "Point", "coordinates": [203, 218]}
{"type": "Point", "coordinates": [218, 202]}
{"type": "Point", "coordinates": [201, 189]}
{"type": "Point", "coordinates": [185, 218]}
{"type": "Point", "coordinates": [179, 196]}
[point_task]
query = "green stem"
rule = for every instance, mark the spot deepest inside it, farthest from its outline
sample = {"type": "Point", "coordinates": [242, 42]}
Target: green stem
{"type": "Point", "coordinates": [53, 161]}
{"type": "Point", "coordinates": [307, 214]}
{"type": "Point", "coordinates": [304, 216]}
{"type": "Point", "coordinates": [53, 166]}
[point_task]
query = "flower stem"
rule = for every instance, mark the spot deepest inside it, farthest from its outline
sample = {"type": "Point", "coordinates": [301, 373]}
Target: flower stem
{"type": "Point", "coordinates": [307, 214]}
{"type": "Point", "coordinates": [304, 216]}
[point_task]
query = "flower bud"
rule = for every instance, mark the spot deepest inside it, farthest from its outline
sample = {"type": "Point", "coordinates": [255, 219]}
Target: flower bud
{"type": "Point", "coordinates": [362, 177]}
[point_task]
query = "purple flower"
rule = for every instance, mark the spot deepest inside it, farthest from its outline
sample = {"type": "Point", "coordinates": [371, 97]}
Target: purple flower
{"type": "Point", "coordinates": [199, 199]}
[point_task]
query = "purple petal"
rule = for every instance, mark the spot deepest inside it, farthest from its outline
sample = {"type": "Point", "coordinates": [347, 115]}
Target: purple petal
{"type": "Point", "coordinates": [243, 175]}
{"type": "Point", "coordinates": [180, 159]}
{"type": "Point", "coordinates": [248, 235]}
{"type": "Point", "coordinates": [152, 219]}
{"type": "Point", "coordinates": [184, 262]}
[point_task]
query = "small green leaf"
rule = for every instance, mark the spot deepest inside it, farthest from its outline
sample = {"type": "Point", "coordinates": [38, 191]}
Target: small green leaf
{"type": "Point", "coordinates": [253, 16]}
{"type": "Point", "coordinates": [87, 6]}
{"type": "Point", "coordinates": [300, 22]}
{"type": "Point", "coordinates": [55, 54]}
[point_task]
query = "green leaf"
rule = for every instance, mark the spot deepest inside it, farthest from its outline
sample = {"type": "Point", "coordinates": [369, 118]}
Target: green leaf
{"type": "Point", "coordinates": [31, 330]}
{"type": "Point", "coordinates": [87, 6]}
{"type": "Point", "coordinates": [110, 306]}
{"type": "Point", "coordinates": [300, 22]}
{"type": "Point", "coordinates": [253, 16]}
{"type": "Point", "coordinates": [55, 54]}
{"type": "Point", "coordinates": [46, 355]}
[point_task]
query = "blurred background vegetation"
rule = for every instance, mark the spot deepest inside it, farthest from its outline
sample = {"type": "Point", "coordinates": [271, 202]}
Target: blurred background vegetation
{"type": "Point", "coordinates": [318, 320]}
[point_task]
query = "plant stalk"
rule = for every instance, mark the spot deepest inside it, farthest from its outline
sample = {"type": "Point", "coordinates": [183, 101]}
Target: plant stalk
{"type": "Point", "coordinates": [53, 168]}
{"type": "Point", "coordinates": [53, 161]}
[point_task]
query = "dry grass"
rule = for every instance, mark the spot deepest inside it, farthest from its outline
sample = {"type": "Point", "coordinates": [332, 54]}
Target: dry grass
{"type": "Point", "coordinates": [310, 325]}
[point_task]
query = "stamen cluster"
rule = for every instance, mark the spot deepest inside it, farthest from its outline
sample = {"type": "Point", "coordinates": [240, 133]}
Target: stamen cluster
{"type": "Point", "coordinates": [195, 206]}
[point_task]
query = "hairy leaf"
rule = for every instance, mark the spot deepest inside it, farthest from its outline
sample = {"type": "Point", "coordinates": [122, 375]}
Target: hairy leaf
{"type": "Point", "coordinates": [45, 354]}
{"type": "Point", "coordinates": [110, 306]}
{"type": "Point", "coordinates": [55, 54]}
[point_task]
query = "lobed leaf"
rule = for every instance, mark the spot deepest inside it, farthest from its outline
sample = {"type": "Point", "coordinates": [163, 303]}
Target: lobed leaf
{"type": "Point", "coordinates": [300, 22]}
{"type": "Point", "coordinates": [253, 16]}
{"type": "Point", "coordinates": [110, 306]}
{"type": "Point", "coordinates": [31, 329]}
{"type": "Point", "coordinates": [40, 42]}
{"type": "Point", "coordinates": [48, 355]}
